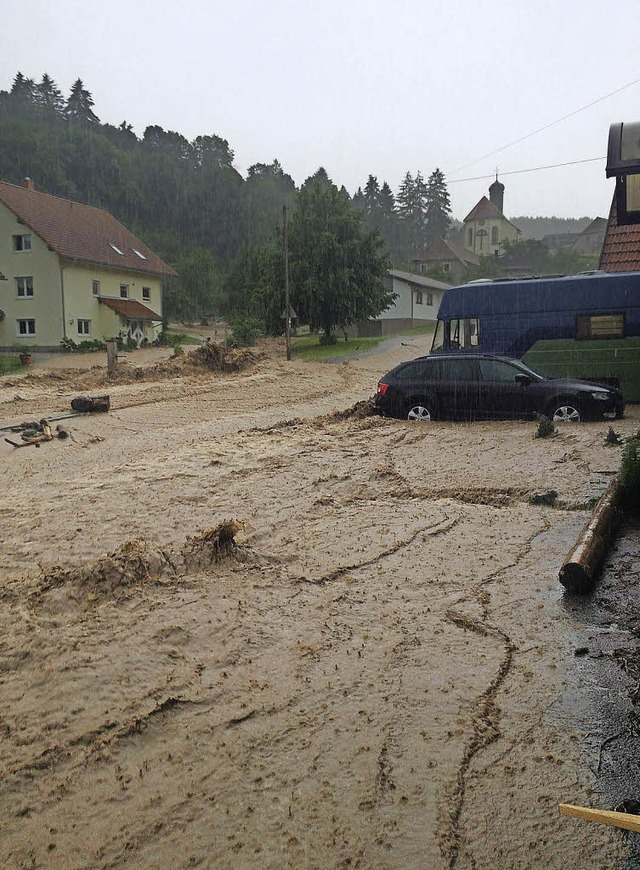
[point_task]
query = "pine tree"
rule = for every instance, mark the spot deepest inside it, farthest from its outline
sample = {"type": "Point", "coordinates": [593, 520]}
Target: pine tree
{"type": "Point", "coordinates": [371, 195]}
{"type": "Point", "coordinates": [47, 95]}
{"type": "Point", "coordinates": [438, 207]}
{"type": "Point", "coordinates": [79, 107]}
{"type": "Point", "coordinates": [22, 96]}
{"type": "Point", "coordinates": [411, 204]}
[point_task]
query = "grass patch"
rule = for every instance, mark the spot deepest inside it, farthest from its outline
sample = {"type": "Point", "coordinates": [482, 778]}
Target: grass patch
{"type": "Point", "coordinates": [173, 338]}
{"type": "Point", "coordinates": [9, 363]}
{"type": "Point", "coordinates": [308, 347]}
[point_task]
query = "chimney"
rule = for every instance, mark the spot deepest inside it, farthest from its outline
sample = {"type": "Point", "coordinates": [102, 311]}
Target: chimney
{"type": "Point", "coordinates": [496, 195]}
{"type": "Point", "coordinates": [28, 184]}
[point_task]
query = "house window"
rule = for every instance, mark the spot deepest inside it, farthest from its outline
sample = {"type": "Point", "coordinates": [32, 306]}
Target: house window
{"type": "Point", "coordinates": [24, 287]}
{"type": "Point", "coordinates": [84, 327]}
{"type": "Point", "coordinates": [116, 249]}
{"type": "Point", "coordinates": [599, 326]}
{"type": "Point", "coordinates": [494, 235]}
{"type": "Point", "coordinates": [470, 236]}
{"type": "Point", "coordinates": [95, 287]}
{"type": "Point", "coordinates": [446, 267]}
{"type": "Point", "coordinates": [429, 298]}
{"type": "Point", "coordinates": [26, 327]}
{"type": "Point", "coordinates": [22, 243]}
{"type": "Point", "coordinates": [138, 254]}
{"type": "Point", "coordinates": [124, 291]}
{"type": "Point", "coordinates": [146, 294]}
{"type": "Point", "coordinates": [418, 297]}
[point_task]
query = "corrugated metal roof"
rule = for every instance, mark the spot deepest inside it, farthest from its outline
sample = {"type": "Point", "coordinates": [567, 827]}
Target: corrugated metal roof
{"type": "Point", "coordinates": [81, 232]}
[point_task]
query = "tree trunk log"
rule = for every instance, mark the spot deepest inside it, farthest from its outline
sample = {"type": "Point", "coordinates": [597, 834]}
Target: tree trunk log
{"type": "Point", "coordinates": [580, 568]}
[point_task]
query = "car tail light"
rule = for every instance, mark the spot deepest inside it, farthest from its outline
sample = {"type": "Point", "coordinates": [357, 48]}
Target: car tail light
{"type": "Point", "coordinates": [382, 388]}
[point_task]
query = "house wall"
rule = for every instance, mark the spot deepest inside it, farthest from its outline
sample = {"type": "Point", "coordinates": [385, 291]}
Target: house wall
{"type": "Point", "coordinates": [402, 308]}
{"type": "Point", "coordinates": [45, 306]}
{"type": "Point", "coordinates": [81, 304]}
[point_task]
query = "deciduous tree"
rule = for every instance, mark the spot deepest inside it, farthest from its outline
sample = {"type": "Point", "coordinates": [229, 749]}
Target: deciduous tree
{"type": "Point", "coordinates": [337, 266]}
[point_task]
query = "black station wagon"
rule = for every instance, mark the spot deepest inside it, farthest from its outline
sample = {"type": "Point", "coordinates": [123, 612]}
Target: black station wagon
{"type": "Point", "coordinates": [480, 386]}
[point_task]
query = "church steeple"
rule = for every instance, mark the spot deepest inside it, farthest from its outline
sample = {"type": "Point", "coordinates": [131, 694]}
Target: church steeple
{"type": "Point", "coordinates": [496, 194]}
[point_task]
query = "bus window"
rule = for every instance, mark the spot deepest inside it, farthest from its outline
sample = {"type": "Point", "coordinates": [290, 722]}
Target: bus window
{"type": "Point", "coordinates": [599, 326]}
{"type": "Point", "coordinates": [438, 337]}
{"type": "Point", "coordinates": [471, 332]}
{"type": "Point", "coordinates": [454, 334]}
{"type": "Point", "coordinates": [464, 333]}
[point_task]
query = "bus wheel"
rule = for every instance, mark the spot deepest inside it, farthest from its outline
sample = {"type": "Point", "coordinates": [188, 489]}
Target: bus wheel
{"type": "Point", "coordinates": [421, 410]}
{"type": "Point", "coordinates": [565, 412]}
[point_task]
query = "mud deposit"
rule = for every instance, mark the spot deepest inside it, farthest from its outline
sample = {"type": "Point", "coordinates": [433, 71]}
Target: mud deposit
{"type": "Point", "coordinates": [239, 630]}
{"type": "Point", "coordinates": [605, 690]}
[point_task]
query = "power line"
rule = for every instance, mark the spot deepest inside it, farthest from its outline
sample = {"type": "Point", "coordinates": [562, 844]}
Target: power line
{"type": "Point", "coordinates": [546, 127]}
{"type": "Point", "coordinates": [521, 171]}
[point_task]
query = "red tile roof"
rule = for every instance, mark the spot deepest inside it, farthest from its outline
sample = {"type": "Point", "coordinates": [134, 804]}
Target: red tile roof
{"type": "Point", "coordinates": [621, 249]}
{"type": "Point", "coordinates": [130, 309]}
{"type": "Point", "coordinates": [81, 232]}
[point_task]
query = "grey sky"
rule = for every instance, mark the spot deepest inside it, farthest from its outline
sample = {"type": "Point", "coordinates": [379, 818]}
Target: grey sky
{"type": "Point", "coordinates": [358, 86]}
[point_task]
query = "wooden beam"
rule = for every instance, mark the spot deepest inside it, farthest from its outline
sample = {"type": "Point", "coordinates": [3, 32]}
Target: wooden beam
{"type": "Point", "coordinates": [628, 821]}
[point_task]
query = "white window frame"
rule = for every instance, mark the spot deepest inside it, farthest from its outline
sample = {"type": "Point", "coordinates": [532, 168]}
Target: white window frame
{"type": "Point", "coordinates": [27, 331]}
{"type": "Point", "coordinates": [146, 294]}
{"type": "Point", "coordinates": [95, 287]}
{"type": "Point", "coordinates": [418, 297]}
{"type": "Point", "coordinates": [24, 287]}
{"type": "Point", "coordinates": [429, 299]}
{"type": "Point", "coordinates": [22, 243]}
{"type": "Point", "coordinates": [138, 253]}
{"type": "Point", "coordinates": [84, 326]}
{"type": "Point", "coordinates": [124, 291]}
{"type": "Point", "coordinates": [116, 249]}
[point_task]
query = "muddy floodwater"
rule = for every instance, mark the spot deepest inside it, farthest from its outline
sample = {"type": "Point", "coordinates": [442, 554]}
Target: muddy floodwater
{"type": "Point", "coordinates": [242, 629]}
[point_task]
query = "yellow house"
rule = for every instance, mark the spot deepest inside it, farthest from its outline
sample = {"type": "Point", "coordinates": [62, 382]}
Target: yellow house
{"type": "Point", "coordinates": [72, 271]}
{"type": "Point", "coordinates": [485, 228]}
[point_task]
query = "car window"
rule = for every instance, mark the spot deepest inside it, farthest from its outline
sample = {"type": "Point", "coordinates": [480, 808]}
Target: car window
{"type": "Point", "coordinates": [417, 370]}
{"type": "Point", "coordinates": [495, 370]}
{"type": "Point", "coordinates": [455, 370]}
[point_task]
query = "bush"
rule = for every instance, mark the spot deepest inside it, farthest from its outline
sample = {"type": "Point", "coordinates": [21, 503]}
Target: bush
{"type": "Point", "coordinates": [245, 332]}
{"type": "Point", "coordinates": [629, 476]}
{"type": "Point", "coordinates": [612, 437]}
{"type": "Point", "coordinates": [86, 346]}
{"type": "Point", "coordinates": [545, 429]}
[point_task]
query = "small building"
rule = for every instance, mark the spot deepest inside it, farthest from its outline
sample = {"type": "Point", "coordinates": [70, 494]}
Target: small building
{"type": "Point", "coordinates": [72, 271]}
{"type": "Point", "coordinates": [621, 248]}
{"type": "Point", "coordinates": [485, 228]}
{"type": "Point", "coordinates": [417, 302]}
{"type": "Point", "coordinates": [446, 258]}
{"type": "Point", "coordinates": [591, 239]}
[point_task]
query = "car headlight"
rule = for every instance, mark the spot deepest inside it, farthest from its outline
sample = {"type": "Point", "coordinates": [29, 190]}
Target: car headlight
{"type": "Point", "coordinates": [601, 396]}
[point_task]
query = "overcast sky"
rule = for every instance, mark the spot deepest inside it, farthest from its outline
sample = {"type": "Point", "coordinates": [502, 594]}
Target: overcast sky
{"type": "Point", "coordinates": [358, 86]}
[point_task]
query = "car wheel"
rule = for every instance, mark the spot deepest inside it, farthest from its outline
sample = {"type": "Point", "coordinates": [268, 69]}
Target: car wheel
{"type": "Point", "coordinates": [421, 410]}
{"type": "Point", "coordinates": [565, 411]}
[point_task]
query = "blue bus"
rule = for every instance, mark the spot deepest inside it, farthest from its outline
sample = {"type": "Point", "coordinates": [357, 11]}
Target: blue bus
{"type": "Point", "coordinates": [582, 326]}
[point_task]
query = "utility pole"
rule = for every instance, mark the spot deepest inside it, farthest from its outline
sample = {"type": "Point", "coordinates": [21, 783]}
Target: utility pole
{"type": "Point", "coordinates": [287, 303]}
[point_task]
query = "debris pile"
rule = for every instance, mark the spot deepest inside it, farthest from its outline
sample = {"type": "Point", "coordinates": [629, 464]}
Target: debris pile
{"type": "Point", "coordinates": [35, 433]}
{"type": "Point", "coordinates": [221, 358]}
{"type": "Point", "coordinates": [135, 563]}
